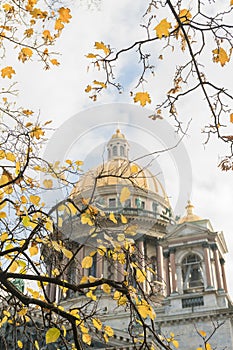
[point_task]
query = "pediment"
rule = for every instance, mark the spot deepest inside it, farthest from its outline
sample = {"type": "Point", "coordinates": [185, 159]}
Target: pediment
{"type": "Point", "coordinates": [188, 229]}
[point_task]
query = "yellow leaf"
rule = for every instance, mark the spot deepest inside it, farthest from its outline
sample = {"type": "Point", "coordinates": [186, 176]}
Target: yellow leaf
{"type": "Point", "coordinates": [97, 323]}
{"type": "Point", "coordinates": [3, 205]}
{"type": "Point", "coordinates": [60, 222]}
{"type": "Point", "coordinates": [37, 132]}
{"type": "Point", "coordinates": [102, 46]}
{"type": "Point", "coordinates": [106, 288]}
{"type": "Point", "coordinates": [231, 115]}
{"type": "Point", "coordinates": [58, 25]}
{"type": "Point", "coordinates": [7, 72]}
{"type": "Point", "coordinates": [48, 183]}
{"type": "Point", "coordinates": [140, 275]}
{"type": "Point", "coordinates": [2, 154]}
{"type": "Point", "coordinates": [13, 266]}
{"type": "Point", "coordinates": [8, 7]}
{"type": "Point", "coordinates": [131, 230]}
{"type": "Point", "coordinates": [103, 85]}
{"type": "Point", "coordinates": [86, 219]}
{"type": "Point", "coordinates": [112, 218]}
{"type": "Point", "coordinates": [20, 344]}
{"type": "Point", "coordinates": [142, 97]}
{"type": "Point", "coordinates": [23, 311]}
{"type": "Point", "coordinates": [36, 345]}
{"type": "Point", "coordinates": [123, 219]}
{"type": "Point", "coordinates": [91, 295]}
{"type": "Point", "coordinates": [120, 237]}
{"type": "Point", "coordinates": [145, 310]}
{"type": "Point", "coordinates": [25, 54]}
{"type": "Point", "coordinates": [91, 55]}
{"type": "Point", "coordinates": [101, 250]}
{"type": "Point", "coordinates": [175, 343]}
{"type": "Point", "coordinates": [47, 35]}
{"type": "Point", "coordinates": [3, 236]}
{"type": "Point", "coordinates": [87, 262]}
{"type": "Point", "coordinates": [109, 331]}
{"type": "Point", "coordinates": [105, 338]}
{"type": "Point", "coordinates": [185, 16]}
{"type": "Point", "coordinates": [202, 333]}
{"type": "Point", "coordinates": [86, 338]}
{"type": "Point", "coordinates": [23, 199]}
{"type": "Point", "coordinates": [134, 168]}
{"type": "Point", "coordinates": [3, 215]}
{"type": "Point", "coordinates": [49, 225]}
{"type": "Point", "coordinates": [34, 199]}
{"type": "Point", "coordinates": [54, 62]}
{"type": "Point", "coordinates": [52, 335]}
{"type": "Point", "coordinates": [64, 330]}
{"type": "Point", "coordinates": [71, 209]}
{"type": "Point", "coordinates": [231, 3]}
{"type": "Point", "coordinates": [125, 194]}
{"type": "Point", "coordinates": [220, 56]}
{"type": "Point", "coordinates": [27, 112]}
{"type": "Point", "coordinates": [29, 32]}
{"type": "Point", "coordinates": [64, 14]}
{"type": "Point", "coordinates": [88, 88]}
{"type": "Point", "coordinates": [33, 250]}
{"type": "Point", "coordinates": [6, 313]}
{"type": "Point", "coordinates": [162, 29]}
{"type": "Point", "coordinates": [199, 348]}
{"type": "Point", "coordinates": [68, 254]}
{"type": "Point", "coordinates": [208, 346]}
{"type": "Point", "coordinates": [10, 156]}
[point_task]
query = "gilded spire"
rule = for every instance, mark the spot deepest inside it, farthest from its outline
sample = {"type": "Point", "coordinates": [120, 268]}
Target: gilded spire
{"type": "Point", "coordinates": [190, 216]}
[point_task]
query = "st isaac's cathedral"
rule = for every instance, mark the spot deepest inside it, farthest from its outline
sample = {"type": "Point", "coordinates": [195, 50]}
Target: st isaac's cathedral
{"type": "Point", "coordinates": [190, 291]}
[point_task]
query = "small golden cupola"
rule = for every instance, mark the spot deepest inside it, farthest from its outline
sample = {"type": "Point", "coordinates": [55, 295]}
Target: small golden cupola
{"type": "Point", "coordinates": [190, 216]}
{"type": "Point", "coordinates": [118, 146]}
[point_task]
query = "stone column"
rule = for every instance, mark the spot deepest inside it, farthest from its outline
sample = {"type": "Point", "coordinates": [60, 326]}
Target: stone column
{"type": "Point", "coordinates": [173, 271]}
{"type": "Point", "coordinates": [160, 265]}
{"type": "Point", "coordinates": [222, 262]}
{"type": "Point", "coordinates": [80, 257]}
{"type": "Point", "coordinates": [209, 281]}
{"type": "Point", "coordinates": [179, 278]}
{"type": "Point", "coordinates": [141, 247]}
{"type": "Point", "coordinates": [167, 273]}
{"type": "Point", "coordinates": [217, 267]}
{"type": "Point", "coordinates": [120, 272]}
{"type": "Point", "coordinates": [99, 266]}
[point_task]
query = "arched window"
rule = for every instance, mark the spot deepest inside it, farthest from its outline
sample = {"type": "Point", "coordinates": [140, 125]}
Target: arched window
{"type": "Point", "coordinates": [92, 269]}
{"type": "Point", "coordinates": [122, 151]}
{"type": "Point", "coordinates": [114, 151]}
{"type": "Point", "coordinates": [154, 207]}
{"type": "Point", "coordinates": [192, 273]}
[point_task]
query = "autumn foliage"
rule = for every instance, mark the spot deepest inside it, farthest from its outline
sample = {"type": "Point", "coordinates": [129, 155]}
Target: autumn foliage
{"type": "Point", "coordinates": [32, 233]}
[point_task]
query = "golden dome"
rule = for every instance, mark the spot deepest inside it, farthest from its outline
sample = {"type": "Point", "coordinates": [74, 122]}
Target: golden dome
{"type": "Point", "coordinates": [120, 172]}
{"type": "Point", "coordinates": [190, 216]}
{"type": "Point", "coordinates": [118, 135]}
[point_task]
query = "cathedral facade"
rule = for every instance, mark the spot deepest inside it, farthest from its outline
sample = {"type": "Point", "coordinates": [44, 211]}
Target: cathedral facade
{"type": "Point", "coordinates": [190, 288]}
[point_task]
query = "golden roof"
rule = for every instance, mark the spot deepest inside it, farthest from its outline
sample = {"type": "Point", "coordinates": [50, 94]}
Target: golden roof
{"type": "Point", "coordinates": [190, 216]}
{"type": "Point", "coordinates": [118, 135]}
{"type": "Point", "coordinates": [120, 172]}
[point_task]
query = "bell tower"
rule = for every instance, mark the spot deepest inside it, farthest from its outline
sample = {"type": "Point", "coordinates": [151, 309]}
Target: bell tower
{"type": "Point", "coordinates": [195, 279]}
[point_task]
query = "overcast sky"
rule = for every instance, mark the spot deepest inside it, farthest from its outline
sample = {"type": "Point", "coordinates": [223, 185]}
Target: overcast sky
{"type": "Point", "coordinates": [59, 95]}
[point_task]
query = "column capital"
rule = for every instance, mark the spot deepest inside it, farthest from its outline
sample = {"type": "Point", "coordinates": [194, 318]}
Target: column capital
{"type": "Point", "coordinates": [172, 250]}
{"type": "Point", "coordinates": [222, 261]}
{"type": "Point", "coordinates": [205, 245]}
{"type": "Point", "coordinates": [166, 254]}
{"type": "Point", "coordinates": [214, 246]}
